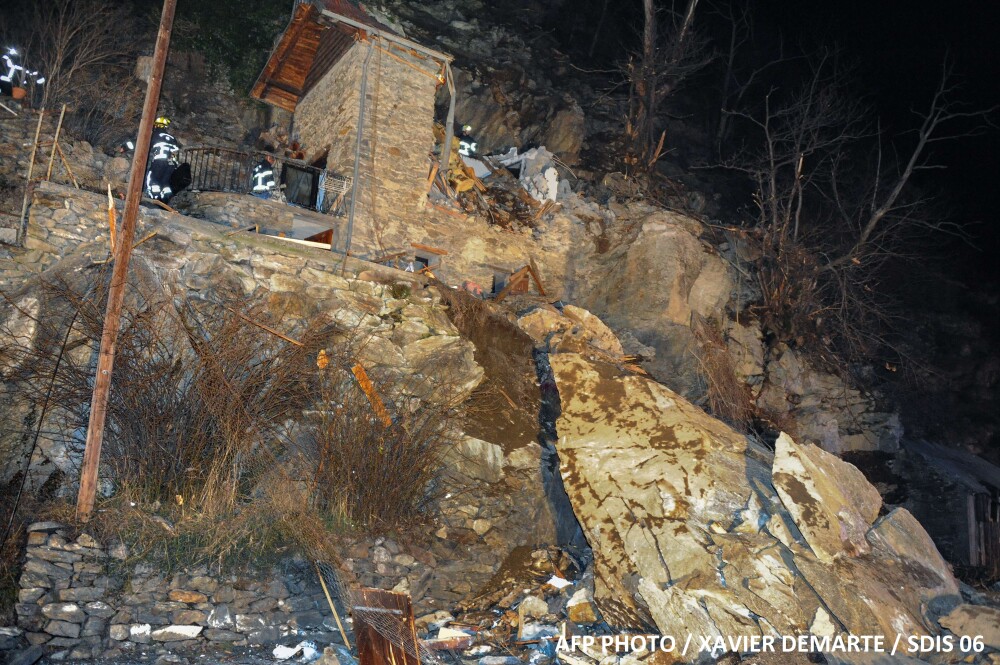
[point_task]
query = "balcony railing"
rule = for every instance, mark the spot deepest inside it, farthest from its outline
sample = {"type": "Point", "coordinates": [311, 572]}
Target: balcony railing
{"type": "Point", "coordinates": [215, 169]}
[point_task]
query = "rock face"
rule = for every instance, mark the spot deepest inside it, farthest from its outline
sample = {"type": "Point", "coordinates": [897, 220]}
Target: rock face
{"type": "Point", "coordinates": [831, 501]}
{"type": "Point", "coordinates": [651, 281]}
{"type": "Point", "coordinates": [824, 407]}
{"type": "Point", "coordinates": [690, 533]}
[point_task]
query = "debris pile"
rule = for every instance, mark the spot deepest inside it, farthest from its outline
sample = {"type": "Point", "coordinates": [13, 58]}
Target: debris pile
{"type": "Point", "coordinates": [512, 191]}
{"type": "Point", "coordinates": [520, 613]}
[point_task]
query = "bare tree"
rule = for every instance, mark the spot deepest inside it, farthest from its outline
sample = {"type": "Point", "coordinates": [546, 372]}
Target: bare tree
{"type": "Point", "coordinates": [832, 212]}
{"type": "Point", "coordinates": [71, 39]}
{"type": "Point", "coordinates": [663, 65]}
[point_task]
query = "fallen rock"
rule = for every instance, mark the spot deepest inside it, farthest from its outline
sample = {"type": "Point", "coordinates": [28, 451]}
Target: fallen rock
{"type": "Point", "coordinates": [679, 509]}
{"type": "Point", "coordinates": [574, 330]}
{"type": "Point", "coordinates": [975, 620]}
{"type": "Point", "coordinates": [581, 609]}
{"type": "Point", "coordinates": [651, 281]}
{"type": "Point", "coordinates": [832, 503]}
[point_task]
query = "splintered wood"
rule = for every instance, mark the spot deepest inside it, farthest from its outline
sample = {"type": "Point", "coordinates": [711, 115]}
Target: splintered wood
{"type": "Point", "coordinates": [518, 281]}
{"type": "Point", "coordinates": [369, 389]}
{"type": "Point", "coordinates": [384, 628]}
{"type": "Point", "coordinates": [502, 201]}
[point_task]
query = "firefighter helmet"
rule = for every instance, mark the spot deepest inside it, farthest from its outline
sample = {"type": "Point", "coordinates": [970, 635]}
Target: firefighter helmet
{"type": "Point", "coordinates": [162, 122]}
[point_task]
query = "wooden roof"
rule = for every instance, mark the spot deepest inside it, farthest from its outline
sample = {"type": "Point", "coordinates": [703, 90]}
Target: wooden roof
{"type": "Point", "coordinates": [307, 50]}
{"type": "Point", "coordinates": [282, 83]}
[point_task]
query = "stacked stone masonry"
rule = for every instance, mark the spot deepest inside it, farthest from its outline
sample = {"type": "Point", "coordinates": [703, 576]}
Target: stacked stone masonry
{"type": "Point", "coordinates": [81, 599]}
{"type": "Point", "coordinates": [408, 330]}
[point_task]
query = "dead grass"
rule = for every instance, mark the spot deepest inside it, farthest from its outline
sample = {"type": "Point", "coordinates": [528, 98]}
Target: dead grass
{"type": "Point", "coordinates": [208, 456]}
{"type": "Point", "coordinates": [729, 397]}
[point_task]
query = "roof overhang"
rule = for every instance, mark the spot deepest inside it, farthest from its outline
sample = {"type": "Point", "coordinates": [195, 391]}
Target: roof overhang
{"type": "Point", "coordinates": [314, 41]}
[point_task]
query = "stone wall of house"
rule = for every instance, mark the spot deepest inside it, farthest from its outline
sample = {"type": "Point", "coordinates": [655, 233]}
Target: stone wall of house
{"type": "Point", "coordinates": [327, 117]}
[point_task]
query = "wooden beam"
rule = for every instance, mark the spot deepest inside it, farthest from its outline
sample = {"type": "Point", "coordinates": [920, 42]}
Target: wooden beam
{"type": "Point", "coordinates": [55, 142]}
{"type": "Point", "coordinates": [116, 292]}
{"type": "Point", "coordinates": [515, 279]}
{"type": "Point", "coordinates": [373, 398]}
{"type": "Point", "coordinates": [27, 181]}
{"type": "Point", "coordinates": [284, 87]}
{"type": "Point", "coordinates": [428, 248]}
{"type": "Point", "coordinates": [533, 269]}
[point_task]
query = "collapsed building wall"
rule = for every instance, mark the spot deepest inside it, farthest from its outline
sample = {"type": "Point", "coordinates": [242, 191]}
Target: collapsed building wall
{"type": "Point", "coordinates": [396, 133]}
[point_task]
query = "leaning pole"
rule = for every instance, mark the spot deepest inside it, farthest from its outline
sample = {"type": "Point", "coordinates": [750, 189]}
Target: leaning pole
{"type": "Point", "coordinates": [116, 293]}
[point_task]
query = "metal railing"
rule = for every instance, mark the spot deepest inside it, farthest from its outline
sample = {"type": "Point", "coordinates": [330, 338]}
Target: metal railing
{"type": "Point", "coordinates": [215, 169]}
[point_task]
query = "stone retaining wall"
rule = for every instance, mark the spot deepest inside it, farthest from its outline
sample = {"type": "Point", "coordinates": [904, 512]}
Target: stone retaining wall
{"type": "Point", "coordinates": [407, 330]}
{"type": "Point", "coordinates": [80, 598]}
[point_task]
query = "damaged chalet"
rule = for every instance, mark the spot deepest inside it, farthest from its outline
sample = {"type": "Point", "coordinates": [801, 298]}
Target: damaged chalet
{"type": "Point", "coordinates": [361, 99]}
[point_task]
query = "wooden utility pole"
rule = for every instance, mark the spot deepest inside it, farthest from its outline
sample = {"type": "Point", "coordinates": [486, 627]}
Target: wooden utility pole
{"type": "Point", "coordinates": [116, 293]}
{"type": "Point", "coordinates": [27, 183]}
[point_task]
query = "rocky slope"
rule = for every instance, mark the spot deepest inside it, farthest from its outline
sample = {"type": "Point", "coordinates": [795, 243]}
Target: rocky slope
{"type": "Point", "coordinates": [696, 530]}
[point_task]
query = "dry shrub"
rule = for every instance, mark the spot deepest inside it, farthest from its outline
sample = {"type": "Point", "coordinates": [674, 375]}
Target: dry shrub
{"type": "Point", "coordinates": [356, 453]}
{"type": "Point", "coordinates": [226, 442]}
{"type": "Point", "coordinates": [13, 530]}
{"type": "Point", "coordinates": [729, 397]}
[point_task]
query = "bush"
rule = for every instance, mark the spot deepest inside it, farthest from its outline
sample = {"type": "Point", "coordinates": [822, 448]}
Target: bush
{"type": "Point", "coordinates": [226, 441]}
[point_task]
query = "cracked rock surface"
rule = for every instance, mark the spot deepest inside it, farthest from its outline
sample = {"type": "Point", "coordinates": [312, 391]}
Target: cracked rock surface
{"type": "Point", "coordinates": [695, 529]}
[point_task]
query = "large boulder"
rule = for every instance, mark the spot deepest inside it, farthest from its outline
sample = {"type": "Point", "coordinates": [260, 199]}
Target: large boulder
{"type": "Point", "coordinates": [574, 329]}
{"type": "Point", "coordinates": [690, 535]}
{"type": "Point", "coordinates": [830, 500]}
{"type": "Point", "coordinates": [975, 621]}
{"type": "Point", "coordinates": [652, 281]}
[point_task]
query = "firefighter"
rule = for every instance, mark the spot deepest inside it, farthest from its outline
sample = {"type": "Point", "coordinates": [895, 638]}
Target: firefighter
{"type": "Point", "coordinates": [467, 145]}
{"type": "Point", "coordinates": [262, 178]}
{"type": "Point", "coordinates": [163, 151]}
{"type": "Point", "coordinates": [13, 75]}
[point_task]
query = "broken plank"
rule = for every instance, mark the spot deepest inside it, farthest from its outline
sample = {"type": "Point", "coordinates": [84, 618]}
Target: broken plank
{"type": "Point", "coordinates": [428, 248]}
{"type": "Point", "coordinates": [263, 327]}
{"type": "Point", "coordinates": [535, 275]}
{"type": "Point", "coordinates": [456, 213]}
{"type": "Point", "coordinates": [449, 643]}
{"type": "Point", "coordinates": [383, 641]}
{"type": "Point", "coordinates": [515, 279]}
{"type": "Point", "coordinates": [389, 257]}
{"type": "Point", "coordinates": [373, 398]}
{"type": "Point", "coordinates": [433, 174]}
{"type": "Point", "coordinates": [65, 162]}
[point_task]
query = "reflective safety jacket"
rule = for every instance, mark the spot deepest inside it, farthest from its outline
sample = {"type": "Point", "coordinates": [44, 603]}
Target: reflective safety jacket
{"type": "Point", "coordinates": [14, 74]}
{"type": "Point", "coordinates": [262, 177]}
{"type": "Point", "coordinates": [163, 145]}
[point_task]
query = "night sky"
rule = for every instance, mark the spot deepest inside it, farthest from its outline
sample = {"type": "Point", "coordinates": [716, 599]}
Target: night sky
{"type": "Point", "coordinates": [901, 47]}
